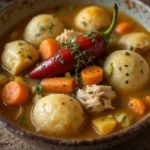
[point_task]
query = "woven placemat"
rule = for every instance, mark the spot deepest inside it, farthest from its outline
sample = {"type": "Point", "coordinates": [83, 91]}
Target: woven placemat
{"type": "Point", "coordinates": [10, 142]}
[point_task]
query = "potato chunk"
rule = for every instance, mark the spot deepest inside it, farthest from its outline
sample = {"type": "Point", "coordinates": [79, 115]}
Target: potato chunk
{"type": "Point", "coordinates": [104, 125]}
{"type": "Point", "coordinates": [126, 71]}
{"type": "Point", "coordinates": [18, 56]}
{"type": "Point", "coordinates": [42, 27]}
{"type": "Point", "coordinates": [138, 42]}
{"type": "Point", "coordinates": [58, 114]}
{"type": "Point", "coordinates": [92, 18]}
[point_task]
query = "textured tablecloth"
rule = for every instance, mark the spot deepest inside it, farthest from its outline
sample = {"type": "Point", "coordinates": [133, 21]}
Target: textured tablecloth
{"type": "Point", "coordinates": [10, 142]}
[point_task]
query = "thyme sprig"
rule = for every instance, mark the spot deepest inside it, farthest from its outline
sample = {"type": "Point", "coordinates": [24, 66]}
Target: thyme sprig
{"type": "Point", "coordinates": [80, 55]}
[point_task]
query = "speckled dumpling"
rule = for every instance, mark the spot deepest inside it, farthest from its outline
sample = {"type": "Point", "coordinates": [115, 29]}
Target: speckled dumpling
{"type": "Point", "coordinates": [18, 56]}
{"type": "Point", "coordinates": [126, 71]}
{"type": "Point", "coordinates": [58, 114]}
{"type": "Point", "coordinates": [41, 27]}
{"type": "Point", "coordinates": [92, 18]}
{"type": "Point", "coordinates": [138, 42]}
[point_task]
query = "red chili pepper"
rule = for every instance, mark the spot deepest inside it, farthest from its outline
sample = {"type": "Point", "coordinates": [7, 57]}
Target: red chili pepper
{"type": "Point", "coordinates": [60, 63]}
{"type": "Point", "coordinates": [94, 43]}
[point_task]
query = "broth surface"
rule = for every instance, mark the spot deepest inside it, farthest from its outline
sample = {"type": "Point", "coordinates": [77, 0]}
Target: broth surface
{"type": "Point", "coordinates": [66, 13]}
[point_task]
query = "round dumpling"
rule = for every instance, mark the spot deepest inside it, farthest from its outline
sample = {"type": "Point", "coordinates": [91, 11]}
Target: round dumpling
{"type": "Point", "coordinates": [58, 114]}
{"type": "Point", "coordinates": [126, 71]}
{"type": "Point", "coordinates": [42, 27]}
{"type": "Point", "coordinates": [19, 56]}
{"type": "Point", "coordinates": [138, 42]}
{"type": "Point", "coordinates": [92, 18]}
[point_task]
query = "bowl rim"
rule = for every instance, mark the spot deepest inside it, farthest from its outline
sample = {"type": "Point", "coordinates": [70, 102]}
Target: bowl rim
{"type": "Point", "coordinates": [72, 142]}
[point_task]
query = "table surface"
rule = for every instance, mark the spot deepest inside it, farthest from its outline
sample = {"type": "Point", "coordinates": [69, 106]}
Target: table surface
{"type": "Point", "coordinates": [140, 142]}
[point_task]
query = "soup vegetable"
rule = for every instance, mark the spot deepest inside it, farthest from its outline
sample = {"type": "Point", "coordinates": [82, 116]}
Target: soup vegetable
{"type": "Point", "coordinates": [75, 71]}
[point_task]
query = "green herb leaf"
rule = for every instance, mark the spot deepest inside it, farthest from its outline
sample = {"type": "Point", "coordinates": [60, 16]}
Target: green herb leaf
{"type": "Point", "coordinates": [50, 28]}
{"type": "Point", "coordinates": [42, 28]}
{"type": "Point", "coordinates": [61, 61]}
{"type": "Point", "coordinates": [20, 43]}
{"type": "Point", "coordinates": [126, 53]}
{"type": "Point", "coordinates": [39, 89]}
{"type": "Point", "coordinates": [90, 108]}
{"type": "Point", "coordinates": [38, 34]}
{"type": "Point", "coordinates": [43, 66]}
{"type": "Point", "coordinates": [58, 56]}
{"type": "Point", "coordinates": [84, 23]}
{"type": "Point", "coordinates": [90, 92]}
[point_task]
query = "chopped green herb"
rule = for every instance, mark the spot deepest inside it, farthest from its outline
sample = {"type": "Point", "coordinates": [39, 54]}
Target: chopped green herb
{"type": "Point", "coordinates": [90, 92]}
{"type": "Point", "coordinates": [39, 89]}
{"type": "Point", "coordinates": [38, 34]}
{"type": "Point", "coordinates": [29, 57]}
{"type": "Point", "coordinates": [126, 53]}
{"type": "Point", "coordinates": [142, 71]}
{"type": "Point", "coordinates": [111, 69]}
{"type": "Point", "coordinates": [63, 85]}
{"type": "Point", "coordinates": [90, 108]}
{"type": "Point", "coordinates": [126, 81]}
{"type": "Point", "coordinates": [127, 74]}
{"type": "Point", "coordinates": [61, 61]}
{"type": "Point", "coordinates": [84, 23]}
{"type": "Point", "coordinates": [24, 117]}
{"type": "Point", "coordinates": [131, 48]}
{"type": "Point", "coordinates": [42, 28]}
{"type": "Point", "coordinates": [53, 58]}
{"type": "Point", "coordinates": [130, 105]}
{"type": "Point", "coordinates": [50, 28]}
{"type": "Point", "coordinates": [120, 68]}
{"type": "Point", "coordinates": [22, 121]}
{"type": "Point", "coordinates": [20, 43]}
{"type": "Point", "coordinates": [38, 81]}
{"type": "Point", "coordinates": [91, 36]}
{"type": "Point", "coordinates": [43, 66]}
{"type": "Point", "coordinates": [58, 56]}
{"type": "Point", "coordinates": [63, 12]}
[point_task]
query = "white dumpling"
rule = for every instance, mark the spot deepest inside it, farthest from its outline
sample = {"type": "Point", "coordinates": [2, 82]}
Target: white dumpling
{"type": "Point", "coordinates": [138, 42]}
{"type": "Point", "coordinates": [18, 56]}
{"type": "Point", "coordinates": [58, 114]}
{"type": "Point", "coordinates": [92, 18]}
{"type": "Point", "coordinates": [42, 27]}
{"type": "Point", "coordinates": [126, 71]}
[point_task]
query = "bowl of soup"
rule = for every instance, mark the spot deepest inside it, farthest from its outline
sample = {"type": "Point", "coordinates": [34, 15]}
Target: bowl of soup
{"type": "Point", "coordinates": [75, 75]}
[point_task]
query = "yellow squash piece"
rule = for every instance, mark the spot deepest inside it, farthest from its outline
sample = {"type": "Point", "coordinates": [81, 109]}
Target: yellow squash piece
{"type": "Point", "coordinates": [104, 125]}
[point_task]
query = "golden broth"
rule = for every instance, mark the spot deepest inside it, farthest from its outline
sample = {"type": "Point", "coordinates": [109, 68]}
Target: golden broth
{"type": "Point", "coordinates": [66, 13]}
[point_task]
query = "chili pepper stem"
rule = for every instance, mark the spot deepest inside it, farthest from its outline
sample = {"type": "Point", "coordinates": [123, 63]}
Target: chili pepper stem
{"type": "Point", "coordinates": [106, 35]}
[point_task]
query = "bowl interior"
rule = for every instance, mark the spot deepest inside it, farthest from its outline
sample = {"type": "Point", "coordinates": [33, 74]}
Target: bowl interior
{"type": "Point", "coordinates": [23, 8]}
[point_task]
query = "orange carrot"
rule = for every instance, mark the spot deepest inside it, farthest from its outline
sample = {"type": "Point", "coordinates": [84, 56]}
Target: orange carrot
{"type": "Point", "coordinates": [123, 27]}
{"type": "Point", "coordinates": [92, 75]}
{"type": "Point", "coordinates": [61, 84]}
{"type": "Point", "coordinates": [138, 106]}
{"type": "Point", "coordinates": [48, 48]}
{"type": "Point", "coordinates": [15, 93]}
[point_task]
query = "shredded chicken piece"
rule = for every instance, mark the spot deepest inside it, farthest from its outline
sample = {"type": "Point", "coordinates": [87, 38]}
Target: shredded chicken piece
{"type": "Point", "coordinates": [96, 98]}
{"type": "Point", "coordinates": [67, 34]}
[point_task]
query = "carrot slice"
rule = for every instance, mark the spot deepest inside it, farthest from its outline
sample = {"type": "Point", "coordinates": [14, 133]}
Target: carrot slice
{"type": "Point", "coordinates": [61, 84]}
{"type": "Point", "coordinates": [15, 93]}
{"type": "Point", "coordinates": [123, 27]}
{"type": "Point", "coordinates": [138, 106]}
{"type": "Point", "coordinates": [92, 75]}
{"type": "Point", "coordinates": [48, 48]}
